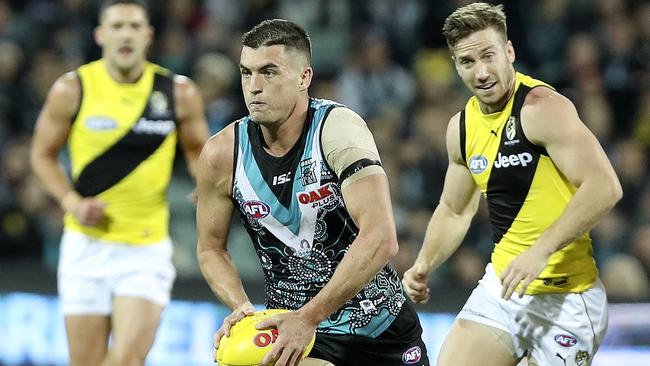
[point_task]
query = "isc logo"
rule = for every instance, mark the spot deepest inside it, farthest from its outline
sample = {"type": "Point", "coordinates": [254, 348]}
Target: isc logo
{"type": "Point", "coordinates": [256, 209]}
{"type": "Point", "coordinates": [264, 339]}
{"type": "Point", "coordinates": [282, 178]}
{"type": "Point", "coordinates": [565, 340]}
{"type": "Point", "coordinates": [412, 355]}
{"type": "Point", "coordinates": [504, 161]}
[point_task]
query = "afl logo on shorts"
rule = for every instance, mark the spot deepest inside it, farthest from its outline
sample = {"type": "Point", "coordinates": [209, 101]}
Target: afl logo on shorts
{"type": "Point", "coordinates": [256, 209]}
{"type": "Point", "coordinates": [565, 340]}
{"type": "Point", "coordinates": [477, 164]}
{"type": "Point", "coordinates": [412, 355]}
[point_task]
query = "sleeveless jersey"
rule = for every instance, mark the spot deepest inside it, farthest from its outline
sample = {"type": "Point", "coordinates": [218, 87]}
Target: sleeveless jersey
{"type": "Point", "coordinates": [293, 210]}
{"type": "Point", "coordinates": [525, 192]}
{"type": "Point", "coordinates": [122, 145]}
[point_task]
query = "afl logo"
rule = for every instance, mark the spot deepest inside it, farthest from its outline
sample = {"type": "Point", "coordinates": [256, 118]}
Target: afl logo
{"type": "Point", "coordinates": [477, 164]}
{"type": "Point", "coordinates": [565, 340]}
{"type": "Point", "coordinates": [412, 355]}
{"type": "Point", "coordinates": [100, 123]}
{"type": "Point", "coordinates": [256, 209]}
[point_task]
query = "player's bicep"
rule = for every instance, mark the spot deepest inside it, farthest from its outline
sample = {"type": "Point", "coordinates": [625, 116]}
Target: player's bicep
{"type": "Point", "coordinates": [553, 122]}
{"type": "Point", "coordinates": [214, 206]}
{"type": "Point", "coordinates": [367, 200]}
{"type": "Point", "coordinates": [349, 146]}
{"type": "Point", "coordinates": [351, 151]}
{"type": "Point", "coordinates": [460, 194]}
{"type": "Point", "coordinates": [213, 214]}
{"type": "Point", "coordinates": [192, 126]}
{"type": "Point", "coordinates": [54, 121]}
{"type": "Point", "coordinates": [579, 157]}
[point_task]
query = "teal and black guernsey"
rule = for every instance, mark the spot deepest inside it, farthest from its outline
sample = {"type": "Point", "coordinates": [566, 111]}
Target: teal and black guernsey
{"type": "Point", "coordinates": [293, 210]}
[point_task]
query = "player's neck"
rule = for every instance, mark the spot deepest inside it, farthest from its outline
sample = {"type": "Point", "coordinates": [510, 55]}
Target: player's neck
{"type": "Point", "coordinates": [280, 137]}
{"type": "Point", "coordinates": [131, 75]}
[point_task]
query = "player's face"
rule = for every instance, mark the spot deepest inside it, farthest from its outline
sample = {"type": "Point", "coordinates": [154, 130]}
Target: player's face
{"type": "Point", "coordinates": [124, 34]}
{"type": "Point", "coordinates": [484, 62]}
{"type": "Point", "coordinates": [273, 79]}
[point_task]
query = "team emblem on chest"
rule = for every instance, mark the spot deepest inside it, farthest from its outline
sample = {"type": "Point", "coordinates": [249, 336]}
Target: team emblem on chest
{"type": "Point", "coordinates": [510, 128]}
{"type": "Point", "coordinates": [511, 132]}
{"type": "Point", "coordinates": [308, 173]}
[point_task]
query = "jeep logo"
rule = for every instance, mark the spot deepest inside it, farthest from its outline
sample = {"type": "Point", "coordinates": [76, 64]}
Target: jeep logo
{"type": "Point", "coordinates": [154, 127]}
{"type": "Point", "coordinates": [504, 161]}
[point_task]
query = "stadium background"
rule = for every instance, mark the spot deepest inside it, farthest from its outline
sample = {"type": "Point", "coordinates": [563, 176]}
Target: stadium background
{"type": "Point", "coordinates": [386, 60]}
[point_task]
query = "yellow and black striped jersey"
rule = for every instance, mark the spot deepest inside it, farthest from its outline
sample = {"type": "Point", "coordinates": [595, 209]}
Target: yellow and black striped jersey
{"type": "Point", "coordinates": [525, 191]}
{"type": "Point", "coordinates": [122, 145]}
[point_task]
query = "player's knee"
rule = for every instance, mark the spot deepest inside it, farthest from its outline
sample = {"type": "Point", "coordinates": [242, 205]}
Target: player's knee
{"type": "Point", "coordinates": [87, 356]}
{"type": "Point", "coordinates": [82, 360]}
{"type": "Point", "coordinates": [125, 356]}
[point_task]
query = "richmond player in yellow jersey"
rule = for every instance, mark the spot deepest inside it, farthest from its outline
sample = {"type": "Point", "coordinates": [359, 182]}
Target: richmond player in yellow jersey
{"type": "Point", "coordinates": [121, 117]}
{"type": "Point", "coordinates": [547, 181]}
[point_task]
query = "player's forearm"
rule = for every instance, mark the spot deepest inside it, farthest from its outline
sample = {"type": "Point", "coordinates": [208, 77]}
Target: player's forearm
{"type": "Point", "coordinates": [51, 174]}
{"type": "Point", "coordinates": [443, 236]}
{"type": "Point", "coordinates": [364, 259]}
{"type": "Point", "coordinates": [222, 276]}
{"type": "Point", "coordinates": [593, 200]}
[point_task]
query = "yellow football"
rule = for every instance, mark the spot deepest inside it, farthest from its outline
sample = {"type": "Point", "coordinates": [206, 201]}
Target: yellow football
{"type": "Point", "coordinates": [247, 346]}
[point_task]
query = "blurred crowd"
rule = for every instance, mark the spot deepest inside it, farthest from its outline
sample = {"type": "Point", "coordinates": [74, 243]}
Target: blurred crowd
{"type": "Point", "coordinates": [384, 59]}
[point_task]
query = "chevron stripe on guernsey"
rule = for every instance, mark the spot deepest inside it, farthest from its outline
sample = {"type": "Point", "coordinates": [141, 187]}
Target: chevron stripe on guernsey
{"type": "Point", "coordinates": [301, 240]}
{"type": "Point", "coordinates": [130, 151]}
{"type": "Point", "coordinates": [507, 189]}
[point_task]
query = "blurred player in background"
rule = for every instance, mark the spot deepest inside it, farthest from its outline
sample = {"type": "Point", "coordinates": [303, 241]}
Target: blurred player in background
{"type": "Point", "coordinates": [305, 176]}
{"type": "Point", "coordinates": [121, 117]}
{"type": "Point", "coordinates": [547, 182]}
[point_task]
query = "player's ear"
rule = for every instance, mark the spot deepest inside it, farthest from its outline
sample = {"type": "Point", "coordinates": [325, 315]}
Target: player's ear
{"type": "Point", "coordinates": [305, 78]}
{"type": "Point", "coordinates": [99, 35]}
{"type": "Point", "coordinates": [150, 34]}
{"type": "Point", "coordinates": [510, 51]}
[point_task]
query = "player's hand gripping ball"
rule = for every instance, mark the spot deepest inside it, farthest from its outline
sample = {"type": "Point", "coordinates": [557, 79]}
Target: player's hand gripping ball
{"type": "Point", "coordinates": [247, 346]}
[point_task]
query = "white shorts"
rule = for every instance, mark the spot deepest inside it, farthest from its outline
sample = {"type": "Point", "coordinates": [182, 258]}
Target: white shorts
{"type": "Point", "coordinates": [553, 329]}
{"type": "Point", "coordinates": [91, 272]}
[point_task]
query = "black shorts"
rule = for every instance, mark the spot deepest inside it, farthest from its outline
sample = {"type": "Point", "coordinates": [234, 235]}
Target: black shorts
{"type": "Point", "coordinates": [400, 344]}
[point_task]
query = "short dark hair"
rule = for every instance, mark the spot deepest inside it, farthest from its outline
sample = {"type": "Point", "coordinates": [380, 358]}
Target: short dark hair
{"type": "Point", "coordinates": [278, 32]}
{"type": "Point", "coordinates": [108, 3]}
{"type": "Point", "coordinates": [473, 18]}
